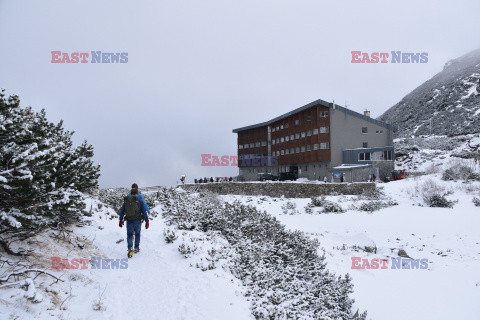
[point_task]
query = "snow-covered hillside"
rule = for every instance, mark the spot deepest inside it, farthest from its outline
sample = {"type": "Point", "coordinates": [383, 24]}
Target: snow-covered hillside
{"type": "Point", "coordinates": [447, 104]}
{"type": "Point", "coordinates": [449, 238]}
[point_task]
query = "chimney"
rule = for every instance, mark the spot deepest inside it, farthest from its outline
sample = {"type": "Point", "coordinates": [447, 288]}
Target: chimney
{"type": "Point", "coordinates": [333, 105]}
{"type": "Point", "coordinates": [366, 113]}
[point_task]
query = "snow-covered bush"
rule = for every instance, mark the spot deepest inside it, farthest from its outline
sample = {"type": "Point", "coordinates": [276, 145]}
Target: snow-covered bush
{"type": "Point", "coordinates": [309, 208]}
{"type": "Point", "coordinates": [281, 269]}
{"type": "Point", "coordinates": [476, 201]}
{"type": "Point", "coordinates": [371, 206]}
{"type": "Point", "coordinates": [169, 235]}
{"type": "Point", "coordinates": [187, 249]}
{"type": "Point", "coordinates": [460, 172]}
{"type": "Point", "coordinates": [289, 208]}
{"type": "Point", "coordinates": [317, 201]}
{"type": "Point", "coordinates": [42, 176]}
{"type": "Point", "coordinates": [329, 206]}
{"type": "Point", "coordinates": [430, 192]}
{"type": "Point", "coordinates": [440, 201]}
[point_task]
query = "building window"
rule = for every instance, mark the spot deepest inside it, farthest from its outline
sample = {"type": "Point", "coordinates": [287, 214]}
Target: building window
{"type": "Point", "coordinates": [264, 143]}
{"type": "Point", "coordinates": [278, 140]}
{"type": "Point", "coordinates": [315, 146]}
{"type": "Point", "coordinates": [273, 129]}
{"type": "Point", "coordinates": [297, 122]}
{"type": "Point", "coordinates": [257, 144]}
{"type": "Point", "coordinates": [323, 129]}
{"type": "Point", "coordinates": [303, 134]}
{"type": "Point", "coordinates": [277, 128]}
{"type": "Point", "coordinates": [240, 146]}
{"type": "Point", "coordinates": [364, 156]}
{"type": "Point", "coordinates": [252, 145]}
{"type": "Point", "coordinates": [281, 139]}
{"type": "Point", "coordinates": [287, 151]}
{"type": "Point", "coordinates": [297, 150]}
{"type": "Point", "coordinates": [281, 126]}
{"type": "Point", "coordinates": [287, 138]}
{"type": "Point", "coordinates": [303, 149]}
{"type": "Point", "coordinates": [245, 146]}
{"type": "Point", "coordinates": [309, 118]}
{"type": "Point", "coordinates": [282, 152]}
{"type": "Point", "coordinates": [364, 129]}
{"type": "Point", "coordinates": [365, 145]}
{"type": "Point", "coordinates": [324, 145]}
{"type": "Point", "coordinates": [309, 148]}
{"type": "Point", "coordinates": [286, 125]}
{"type": "Point", "coordinates": [323, 114]}
{"type": "Point", "coordinates": [315, 131]}
{"type": "Point", "coordinates": [291, 137]}
{"type": "Point", "coordinates": [297, 135]}
{"type": "Point", "coordinates": [309, 133]}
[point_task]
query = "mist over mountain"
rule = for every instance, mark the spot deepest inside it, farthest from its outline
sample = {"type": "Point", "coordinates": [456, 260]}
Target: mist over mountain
{"type": "Point", "coordinates": [447, 104]}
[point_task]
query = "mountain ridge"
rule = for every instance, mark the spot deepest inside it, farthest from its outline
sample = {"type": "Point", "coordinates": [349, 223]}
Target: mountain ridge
{"type": "Point", "coordinates": [446, 104]}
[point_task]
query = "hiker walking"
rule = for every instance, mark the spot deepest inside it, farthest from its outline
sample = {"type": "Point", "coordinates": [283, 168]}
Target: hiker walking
{"type": "Point", "coordinates": [182, 179]}
{"type": "Point", "coordinates": [325, 179]}
{"type": "Point", "coordinates": [134, 211]}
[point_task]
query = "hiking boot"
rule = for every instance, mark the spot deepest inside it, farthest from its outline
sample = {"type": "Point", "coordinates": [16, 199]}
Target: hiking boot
{"type": "Point", "coordinates": [136, 250]}
{"type": "Point", "coordinates": [130, 253]}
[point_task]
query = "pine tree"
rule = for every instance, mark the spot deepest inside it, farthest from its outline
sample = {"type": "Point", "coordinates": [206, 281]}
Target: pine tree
{"type": "Point", "coordinates": [42, 176]}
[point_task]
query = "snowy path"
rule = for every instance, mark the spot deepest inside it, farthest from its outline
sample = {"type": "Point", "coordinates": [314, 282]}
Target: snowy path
{"type": "Point", "coordinates": [159, 283]}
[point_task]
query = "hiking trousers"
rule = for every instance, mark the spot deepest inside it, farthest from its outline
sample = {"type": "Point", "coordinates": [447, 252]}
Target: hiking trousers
{"type": "Point", "coordinates": [133, 227]}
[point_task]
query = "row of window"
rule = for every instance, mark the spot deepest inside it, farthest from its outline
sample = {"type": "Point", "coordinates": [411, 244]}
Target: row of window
{"type": "Point", "coordinates": [323, 145]}
{"type": "Point", "coordinates": [375, 156]}
{"type": "Point", "coordinates": [252, 145]}
{"type": "Point", "coordinates": [323, 114]}
{"type": "Point", "coordinates": [286, 138]}
{"type": "Point", "coordinates": [301, 135]}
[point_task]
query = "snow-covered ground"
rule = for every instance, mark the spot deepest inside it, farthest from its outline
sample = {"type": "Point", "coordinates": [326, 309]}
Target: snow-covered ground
{"type": "Point", "coordinates": [448, 238]}
{"type": "Point", "coordinates": [159, 282]}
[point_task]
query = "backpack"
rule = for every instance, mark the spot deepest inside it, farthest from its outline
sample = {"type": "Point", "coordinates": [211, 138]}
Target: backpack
{"type": "Point", "coordinates": [132, 209]}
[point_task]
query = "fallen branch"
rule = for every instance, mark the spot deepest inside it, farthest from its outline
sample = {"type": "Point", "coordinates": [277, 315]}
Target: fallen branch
{"type": "Point", "coordinates": [27, 271]}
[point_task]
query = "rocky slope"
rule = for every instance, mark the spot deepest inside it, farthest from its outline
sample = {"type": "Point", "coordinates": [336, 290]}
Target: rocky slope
{"type": "Point", "coordinates": [447, 104]}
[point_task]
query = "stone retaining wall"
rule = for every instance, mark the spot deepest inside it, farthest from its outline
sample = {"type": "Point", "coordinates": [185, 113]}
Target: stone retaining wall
{"type": "Point", "coordinates": [278, 189]}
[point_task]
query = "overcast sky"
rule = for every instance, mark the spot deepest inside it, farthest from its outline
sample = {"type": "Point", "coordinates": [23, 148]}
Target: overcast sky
{"type": "Point", "coordinates": [198, 69]}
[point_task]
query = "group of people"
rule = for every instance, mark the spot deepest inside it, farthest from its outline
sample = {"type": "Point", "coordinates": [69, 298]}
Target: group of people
{"type": "Point", "coordinates": [211, 180]}
{"type": "Point", "coordinates": [372, 178]}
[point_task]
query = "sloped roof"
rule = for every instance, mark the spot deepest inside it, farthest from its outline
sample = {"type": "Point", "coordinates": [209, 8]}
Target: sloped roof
{"type": "Point", "coordinates": [315, 103]}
